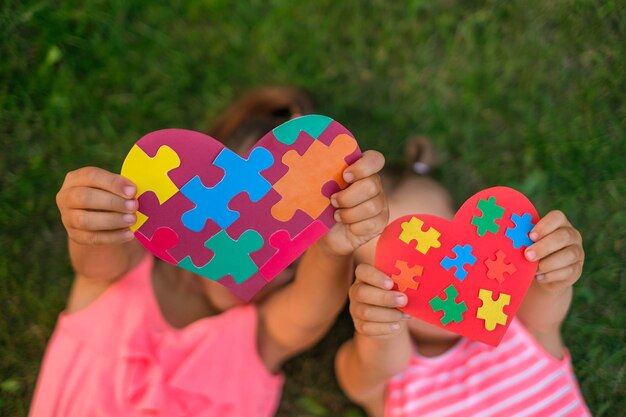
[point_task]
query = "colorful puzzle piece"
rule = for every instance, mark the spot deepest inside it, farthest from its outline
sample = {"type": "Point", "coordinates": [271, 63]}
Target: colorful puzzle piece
{"type": "Point", "coordinates": [290, 249]}
{"type": "Point", "coordinates": [168, 215]}
{"type": "Point", "coordinates": [231, 257]}
{"type": "Point", "coordinates": [162, 240]}
{"type": "Point", "coordinates": [519, 233]}
{"type": "Point", "coordinates": [301, 187]}
{"type": "Point", "coordinates": [405, 279]}
{"type": "Point", "coordinates": [490, 213]}
{"type": "Point", "coordinates": [492, 310]}
{"type": "Point", "coordinates": [312, 124]}
{"type": "Point", "coordinates": [240, 175]}
{"type": "Point", "coordinates": [463, 258]}
{"type": "Point", "coordinates": [452, 311]}
{"type": "Point", "coordinates": [496, 268]}
{"type": "Point", "coordinates": [151, 173]}
{"type": "Point", "coordinates": [424, 240]}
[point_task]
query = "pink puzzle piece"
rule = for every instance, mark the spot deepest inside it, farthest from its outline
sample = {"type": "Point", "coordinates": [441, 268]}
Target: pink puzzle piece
{"type": "Point", "coordinates": [162, 241]}
{"type": "Point", "coordinates": [289, 250]}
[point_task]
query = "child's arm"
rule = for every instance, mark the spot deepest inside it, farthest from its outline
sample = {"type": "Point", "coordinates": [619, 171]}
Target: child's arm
{"type": "Point", "coordinates": [558, 248]}
{"type": "Point", "coordinates": [97, 208]}
{"type": "Point", "coordinates": [381, 347]}
{"type": "Point", "coordinates": [295, 317]}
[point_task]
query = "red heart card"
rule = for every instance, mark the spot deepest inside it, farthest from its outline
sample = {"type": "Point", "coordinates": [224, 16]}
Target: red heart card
{"type": "Point", "coordinates": [468, 275]}
{"type": "Point", "coordinates": [238, 220]}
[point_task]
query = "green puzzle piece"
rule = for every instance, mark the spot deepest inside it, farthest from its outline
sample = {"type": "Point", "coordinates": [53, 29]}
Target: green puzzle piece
{"type": "Point", "coordinates": [452, 311]}
{"type": "Point", "coordinates": [229, 257]}
{"type": "Point", "coordinates": [490, 213]}
{"type": "Point", "coordinates": [313, 124]}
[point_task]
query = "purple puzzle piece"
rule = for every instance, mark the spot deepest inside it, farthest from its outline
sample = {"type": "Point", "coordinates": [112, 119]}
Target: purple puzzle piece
{"type": "Point", "coordinates": [194, 150]}
{"type": "Point", "coordinates": [190, 243]}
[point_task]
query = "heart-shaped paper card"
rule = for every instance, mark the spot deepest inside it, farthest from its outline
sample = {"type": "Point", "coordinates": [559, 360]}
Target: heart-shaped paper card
{"type": "Point", "coordinates": [468, 275]}
{"type": "Point", "coordinates": [238, 220]}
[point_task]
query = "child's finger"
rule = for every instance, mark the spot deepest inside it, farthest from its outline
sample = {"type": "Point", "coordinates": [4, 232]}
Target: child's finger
{"type": "Point", "coordinates": [372, 276]}
{"type": "Point", "coordinates": [369, 227]}
{"type": "Point", "coordinates": [100, 178]}
{"type": "Point", "coordinates": [370, 163]}
{"type": "Point", "coordinates": [360, 191]}
{"type": "Point", "coordinates": [376, 329]}
{"type": "Point", "coordinates": [376, 314]}
{"type": "Point", "coordinates": [555, 241]}
{"type": "Point", "coordinates": [101, 238]}
{"type": "Point", "coordinates": [368, 294]}
{"type": "Point", "coordinates": [367, 209]}
{"type": "Point", "coordinates": [561, 259]}
{"type": "Point", "coordinates": [96, 199]}
{"type": "Point", "coordinates": [569, 273]}
{"type": "Point", "coordinates": [548, 224]}
{"type": "Point", "coordinates": [98, 220]}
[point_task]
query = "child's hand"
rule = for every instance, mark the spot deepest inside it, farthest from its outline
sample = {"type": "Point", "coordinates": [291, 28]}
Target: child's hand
{"type": "Point", "coordinates": [97, 207]}
{"type": "Point", "coordinates": [373, 305]}
{"type": "Point", "coordinates": [558, 248]}
{"type": "Point", "coordinates": [362, 211]}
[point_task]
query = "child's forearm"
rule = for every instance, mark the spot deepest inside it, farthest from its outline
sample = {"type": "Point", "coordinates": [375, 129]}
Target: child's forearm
{"type": "Point", "coordinates": [296, 317]}
{"type": "Point", "coordinates": [365, 364]}
{"type": "Point", "coordinates": [544, 310]}
{"type": "Point", "coordinates": [106, 262]}
{"type": "Point", "coordinates": [305, 309]}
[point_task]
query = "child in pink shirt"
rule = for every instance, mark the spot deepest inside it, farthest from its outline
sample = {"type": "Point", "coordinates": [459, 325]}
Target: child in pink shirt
{"type": "Point", "coordinates": [141, 337]}
{"type": "Point", "coordinates": [401, 366]}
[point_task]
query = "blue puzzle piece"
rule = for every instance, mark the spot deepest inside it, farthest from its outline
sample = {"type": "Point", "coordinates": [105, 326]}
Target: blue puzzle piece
{"type": "Point", "coordinates": [240, 175]}
{"type": "Point", "coordinates": [519, 233]}
{"type": "Point", "coordinates": [463, 257]}
{"type": "Point", "coordinates": [312, 124]}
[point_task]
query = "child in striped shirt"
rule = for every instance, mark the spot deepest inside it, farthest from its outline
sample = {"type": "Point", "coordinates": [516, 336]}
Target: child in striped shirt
{"type": "Point", "coordinates": [401, 366]}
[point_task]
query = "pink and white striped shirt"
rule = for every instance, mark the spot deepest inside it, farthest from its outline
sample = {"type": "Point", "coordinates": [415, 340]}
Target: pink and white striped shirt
{"type": "Point", "coordinates": [517, 378]}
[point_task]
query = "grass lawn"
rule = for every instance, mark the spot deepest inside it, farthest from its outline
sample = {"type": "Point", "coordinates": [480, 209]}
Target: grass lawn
{"type": "Point", "coordinates": [528, 94]}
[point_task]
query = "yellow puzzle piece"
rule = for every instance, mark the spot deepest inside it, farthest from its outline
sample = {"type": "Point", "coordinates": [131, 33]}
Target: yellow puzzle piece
{"type": "Point", "coordinates": [491, 311]}
{"type": "Point", "coordinates": [412, 230]}
{"type": "Point", "coordinates": [150, 174]}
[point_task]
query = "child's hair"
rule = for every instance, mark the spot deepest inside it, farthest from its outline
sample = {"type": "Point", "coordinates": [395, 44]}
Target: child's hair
{"type": "Point", "coordinates": [257, 112]}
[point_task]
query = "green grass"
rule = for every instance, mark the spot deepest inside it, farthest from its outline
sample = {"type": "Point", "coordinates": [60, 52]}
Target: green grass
{"type": "Point", "coordinates": [522, 93]}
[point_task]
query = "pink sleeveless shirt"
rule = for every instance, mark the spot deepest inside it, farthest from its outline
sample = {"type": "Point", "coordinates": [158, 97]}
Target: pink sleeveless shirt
{"type": "Point", "coordinates": [119, 357]}
{"type": "Point", "coordinates": [517, 378]}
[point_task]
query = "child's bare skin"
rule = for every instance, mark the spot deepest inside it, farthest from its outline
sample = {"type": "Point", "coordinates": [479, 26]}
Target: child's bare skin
{"type": "Point", "coordinates": [384, 336]}
{"type": "Point", "coordinates": [98, 207]}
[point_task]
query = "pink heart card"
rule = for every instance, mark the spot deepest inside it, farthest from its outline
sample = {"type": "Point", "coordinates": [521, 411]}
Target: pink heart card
{"type": "Point", "coordinates": [468, 275]}
{"type": "Point", "coordinates": [238, 220]}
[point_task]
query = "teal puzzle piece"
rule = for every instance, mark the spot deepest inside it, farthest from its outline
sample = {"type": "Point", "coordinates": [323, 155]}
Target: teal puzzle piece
{"type": "Point", "coordinates": [312, 124]}
{"type": "Point", "coordinates": [229, 257]}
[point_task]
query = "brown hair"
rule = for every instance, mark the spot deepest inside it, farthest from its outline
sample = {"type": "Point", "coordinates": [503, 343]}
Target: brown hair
{"type": "Point", "coordinates": [257, 112]}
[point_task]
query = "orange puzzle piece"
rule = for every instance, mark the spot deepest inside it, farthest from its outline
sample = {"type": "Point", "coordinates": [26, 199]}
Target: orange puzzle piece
{"type": "Point", "coordinates": [301, 186]}
{"type": "Point", "coordinates": [406, 278]}
{"type": "Point", "coordinates": [498, 267]}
